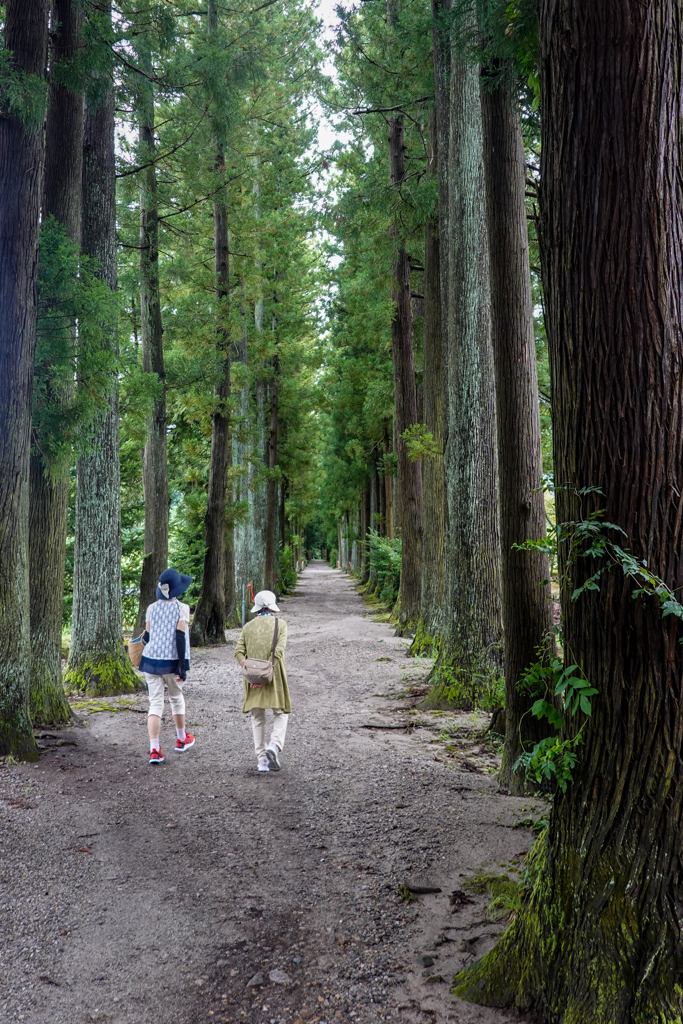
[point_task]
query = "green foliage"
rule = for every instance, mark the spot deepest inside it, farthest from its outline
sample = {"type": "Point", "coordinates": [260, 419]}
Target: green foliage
{"type": "Point", "coordinates": [553, 759]}
{"type": "Point", "coordinates": [385, 564]}
{"type": "Point", "coordinates": [287, 576]}
{"type": "Point", "coordinates": [470, 689]}
{"type": "Point", "coordinates": [75, 359]}
{"type": "Point", "coordinates": [420, 443]}
{"type": "Point", "coordinates": [21, 95]}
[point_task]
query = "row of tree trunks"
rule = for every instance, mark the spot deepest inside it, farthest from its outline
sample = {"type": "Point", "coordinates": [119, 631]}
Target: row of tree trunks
{"type": "Point", "coordinates": [22, 155]}
{"type": "Point", "coordinates": [599, 939]}
{"type": "Point", "coordinates": [155, 462]}
{"type": "Point", "coordinates": [49, 493]}
{"type": "Point", "coordinates": [472, 641]}
{"type": "Point", "coordinates": [97, 659]}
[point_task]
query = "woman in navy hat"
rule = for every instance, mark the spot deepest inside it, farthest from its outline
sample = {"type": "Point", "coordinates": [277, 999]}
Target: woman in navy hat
{"type": "Point", "coordinates": [166, 659]}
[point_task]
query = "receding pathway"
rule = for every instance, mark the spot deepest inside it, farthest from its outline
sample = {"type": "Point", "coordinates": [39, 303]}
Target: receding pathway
{"type": "Point", "coordinates": [199, 890]}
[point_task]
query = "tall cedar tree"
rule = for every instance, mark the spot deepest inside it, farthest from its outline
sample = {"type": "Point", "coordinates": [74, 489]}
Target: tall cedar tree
{"type": "Point", "coordinates": [208, 624]}
{"type": "Point", "coordinates": [97, 660]}
{"type": "Point", "coordinates": [49, 497]}
{"type": "Point", "coordinates": [22, 154]}
{"type": "Point", "coordinates": [155, 460]}
{"type": "Point", "coordinates": [527, 620]}
{"type": "Point", "coordinates": [472, 639]}
{"type": "Point", "coordinates": [409, 474]}
{"type": "Point", "coordinates": [598, 939]}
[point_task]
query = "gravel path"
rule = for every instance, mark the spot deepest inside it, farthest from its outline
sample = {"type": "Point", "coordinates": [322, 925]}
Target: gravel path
{"type": "Point", "coordinates": [200, 890]}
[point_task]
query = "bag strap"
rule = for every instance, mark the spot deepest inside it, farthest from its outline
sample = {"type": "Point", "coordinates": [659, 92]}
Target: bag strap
{"type": "Point", "coordinates": [272, 657]}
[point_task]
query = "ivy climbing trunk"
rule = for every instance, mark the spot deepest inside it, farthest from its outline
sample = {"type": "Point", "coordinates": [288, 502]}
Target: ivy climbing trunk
{"type": "Point", "coordinates": [97, 660]}
{"type": "Point", "coordinates": [22, 156]}
{"type": "Point", "coordinates": [433, 600]}
{"type": "Point", "coordinates": [598, 940]}
{"type": "Point", "coordinates": [471, 652]}
{"type": "Point", "coordinates": [49, 485]}
{"type": "Point", "coordinates": [527, 620]}
{"type": "Point", "coordinates": [155, 462]}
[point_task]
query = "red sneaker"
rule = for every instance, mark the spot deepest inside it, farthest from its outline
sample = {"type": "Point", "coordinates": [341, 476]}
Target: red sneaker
{"type": "Point", "coordinates": [156, 757]}
{"type": "Point", "coordinates": [186, 743]}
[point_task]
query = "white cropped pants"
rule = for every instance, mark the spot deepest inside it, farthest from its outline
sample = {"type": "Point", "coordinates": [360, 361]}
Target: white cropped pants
{"type": "Point", "coordinates": [155, 688]}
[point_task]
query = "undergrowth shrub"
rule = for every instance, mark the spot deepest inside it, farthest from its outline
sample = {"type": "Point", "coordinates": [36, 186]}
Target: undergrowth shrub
{"type": "Point", "coordinates": [385, 564]}
{"type": "Point", "coordinates": [287, 576]}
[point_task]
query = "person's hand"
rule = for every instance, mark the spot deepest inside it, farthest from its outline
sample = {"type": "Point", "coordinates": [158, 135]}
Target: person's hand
{"type": "Point", "coordinates": [242, 662]}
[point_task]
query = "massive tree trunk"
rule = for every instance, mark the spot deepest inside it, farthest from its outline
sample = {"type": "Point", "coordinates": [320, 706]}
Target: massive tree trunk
{"type": "Point", "coordinates": [471, 653]}
{"type": "Point", "coordinates": [22, 156]}
{"type": "Point", "coordinates": [208, 624]}
{"type": "Point", "coordinates": [49, 493]}
{"type": "Point", "coordinates": [155, 464]}
{"type": "Point", "coordinates": [97, 659]}
{"type": "Point", "coordinates": [599, 938]}
{"type": "Point", "coordinates": [527, 620]}
{"type": "Point", "coordinates": [432, 605]}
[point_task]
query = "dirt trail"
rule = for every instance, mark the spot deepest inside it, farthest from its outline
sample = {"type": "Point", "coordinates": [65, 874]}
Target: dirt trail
{"type": "Point", "coordinates": [200, 890]}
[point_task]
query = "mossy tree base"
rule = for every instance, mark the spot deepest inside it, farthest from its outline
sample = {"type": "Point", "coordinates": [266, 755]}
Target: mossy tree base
{"type": "Point", "coordinates": [17, 742]}
{"type": "Point", "coordinates": [582, 958]}
{"type": "Point", "coordinates": [464, 680]}
{"type": "Point", "coordinates": [424, 643]}
{"type": "Point", "coordinates": [47, 699]}
{"type": "Point", "coordinates": [102, 677]}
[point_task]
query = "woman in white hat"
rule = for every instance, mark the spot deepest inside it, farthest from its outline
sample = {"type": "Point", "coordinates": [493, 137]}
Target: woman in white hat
{"type": "Point", "coordinates": [256, 641]}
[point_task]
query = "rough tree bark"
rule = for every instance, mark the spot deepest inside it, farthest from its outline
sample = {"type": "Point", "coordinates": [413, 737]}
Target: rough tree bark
{"type": "Point", "coordinates": [432, 605]}
{"type": "Point", "coordinates": [471, 651]}
{"type": "Point", "coordinates": [155, 462]}
{"type": "Point", "coordinates": [527, 620]}
{"type": "Point", "coordinates": [22, 156]}
{"type": "Point", "coordinates": [49, 495]}
{"type": "Point", "coordinates": [598, 940]}
{"type": "Point", "coordinates": [97, 660]}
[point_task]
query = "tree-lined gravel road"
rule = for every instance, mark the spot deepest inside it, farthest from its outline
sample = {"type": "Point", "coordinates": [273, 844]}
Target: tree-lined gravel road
{"type": "Point", "coordinates": [200, 890]}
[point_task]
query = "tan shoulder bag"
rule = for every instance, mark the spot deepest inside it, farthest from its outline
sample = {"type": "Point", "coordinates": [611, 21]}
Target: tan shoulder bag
{"type": "Point", "coordinates": [135, 649]}
{"type": "Point", "coordinates": [260, 673]}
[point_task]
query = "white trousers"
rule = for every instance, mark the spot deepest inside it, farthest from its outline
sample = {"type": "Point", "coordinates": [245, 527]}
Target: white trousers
{"type": "Point", "coordinates": [258, 725]}
{"type": "Point", "coordinates": [155, 688]}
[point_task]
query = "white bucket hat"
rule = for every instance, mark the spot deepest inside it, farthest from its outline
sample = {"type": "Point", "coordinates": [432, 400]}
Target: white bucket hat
{"type": "Point", "coordinates": [265, 599]}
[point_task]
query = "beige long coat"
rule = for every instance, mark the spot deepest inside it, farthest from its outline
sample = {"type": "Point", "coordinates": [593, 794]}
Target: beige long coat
{"type": "Point", "coordinates": [256, 641]}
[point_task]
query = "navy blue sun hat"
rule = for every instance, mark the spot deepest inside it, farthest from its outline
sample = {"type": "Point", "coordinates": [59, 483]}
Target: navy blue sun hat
{"type": "Point", "coordinates": [172, 584]}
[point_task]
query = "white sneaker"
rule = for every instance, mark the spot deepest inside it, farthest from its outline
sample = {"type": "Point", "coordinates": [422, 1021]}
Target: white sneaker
{"type": "Point", "coordinates": [263, 764]}
{"type": "Point", "coordinates": [273, 759]}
